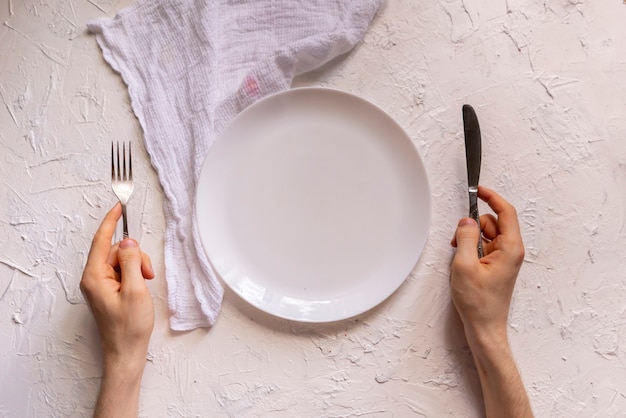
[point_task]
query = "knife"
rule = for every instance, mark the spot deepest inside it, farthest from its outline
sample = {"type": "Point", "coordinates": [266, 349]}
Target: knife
{"type": "Point", "coordinates": [472, 156]}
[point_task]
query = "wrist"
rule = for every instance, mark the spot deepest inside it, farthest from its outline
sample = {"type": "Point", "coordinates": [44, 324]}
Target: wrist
{"type": "Point", "coordinates": [492, 356]}
{"type": "Point", "coordinates": [120, 387]}
{"type": "Point", "coordinates": [503, 390]}
{"type": "Point", "coordinates": [124, 369]}
{"type": "Point", "coordinates": [488, 346]}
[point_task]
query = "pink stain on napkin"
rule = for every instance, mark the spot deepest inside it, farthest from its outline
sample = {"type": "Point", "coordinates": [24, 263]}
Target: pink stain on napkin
{"type": "Point", "coordinates": [251, 87]}
{"type": "Point", "coordinates": [190, 67]}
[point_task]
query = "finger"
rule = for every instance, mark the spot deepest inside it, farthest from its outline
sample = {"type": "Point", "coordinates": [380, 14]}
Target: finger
{"type": "Point", "coordinates": [507, 215]}
{"type": "Point", "coordinates": [146, 266]}
{"type": "Point", "coordinates": [467, 236]}
{"type": "Point", "coordinates": [129, 257]}
{"type": "Point", "coordinates": [101, 243]}
{"type": "Point", "coordinates": [112, 258]}
{"type": "Point", "coordinates": [489, 226]}
{"type": "Point", "coordinates": [453, 240]}
{"type": "Point", "coordinates": [488, 247]}
{"type": "Point", "coordinates": [146, 263]}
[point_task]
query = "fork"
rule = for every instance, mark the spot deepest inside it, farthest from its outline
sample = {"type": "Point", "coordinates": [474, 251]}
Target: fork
{"type": "Point", "coordinates": [122, 178]}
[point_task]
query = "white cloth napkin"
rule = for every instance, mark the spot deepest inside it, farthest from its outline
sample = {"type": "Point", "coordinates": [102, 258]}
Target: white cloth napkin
{"type": "Point", "coordinates": [190, 67]}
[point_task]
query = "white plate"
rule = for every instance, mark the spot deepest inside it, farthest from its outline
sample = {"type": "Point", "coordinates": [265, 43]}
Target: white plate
{"type": "Point", "coordinates": [313, 205]}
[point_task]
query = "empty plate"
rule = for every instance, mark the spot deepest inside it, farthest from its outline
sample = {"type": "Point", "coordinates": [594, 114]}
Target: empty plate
{"type": "Point", "coordinates": [313, 205]}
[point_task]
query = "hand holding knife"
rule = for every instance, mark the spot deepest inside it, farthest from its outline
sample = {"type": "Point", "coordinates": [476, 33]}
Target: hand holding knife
{"type": "Point", "coordinates": [473, 156]}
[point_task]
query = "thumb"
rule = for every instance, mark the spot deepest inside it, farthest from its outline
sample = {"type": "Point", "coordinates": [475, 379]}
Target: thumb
{"type": "Point", "coordinates": [129, 257]}
{"type": "Point", "coordinates": [467, 236]}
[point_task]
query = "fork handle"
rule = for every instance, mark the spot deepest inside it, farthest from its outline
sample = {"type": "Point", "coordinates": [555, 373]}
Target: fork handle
{"type": "Point", "coordinates": [124, 223]}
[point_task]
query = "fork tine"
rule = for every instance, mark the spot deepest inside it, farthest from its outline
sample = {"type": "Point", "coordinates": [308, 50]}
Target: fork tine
{"type": "Point", "coordinates": [119, 167]}
{"type": "Point", "coordinates": [112, 160]}
{"type": "Point", "coordinates": [122, 177]}
{"type": "Point", "coordinates": [126, 161]}
{"type": "Point", "coordinates": [130, 163]}
{"type": "Point", "coordinates": [123, 166]}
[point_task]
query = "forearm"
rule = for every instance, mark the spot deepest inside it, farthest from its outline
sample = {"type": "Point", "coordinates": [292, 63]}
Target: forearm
{"type": "Point", "coordinates": [119, 390]}
{"type": "Point", "coordinates": [503, 391]}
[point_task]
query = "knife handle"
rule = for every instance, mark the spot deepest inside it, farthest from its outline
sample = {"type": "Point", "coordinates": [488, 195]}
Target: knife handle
{"type": "Point", "coordinates": [473, 213]}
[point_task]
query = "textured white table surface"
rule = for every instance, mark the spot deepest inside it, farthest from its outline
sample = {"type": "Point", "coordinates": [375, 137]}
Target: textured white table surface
{"type": "Point", "coordinates": [548, 80]}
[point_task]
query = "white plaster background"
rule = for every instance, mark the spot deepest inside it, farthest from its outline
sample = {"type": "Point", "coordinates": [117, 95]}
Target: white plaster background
{"type": "Point", "coordinates": [548, 80]}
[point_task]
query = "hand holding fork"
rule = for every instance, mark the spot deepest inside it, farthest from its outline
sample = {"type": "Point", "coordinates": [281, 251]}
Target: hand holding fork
{"type": "Point", "coordinates": [122, 179]}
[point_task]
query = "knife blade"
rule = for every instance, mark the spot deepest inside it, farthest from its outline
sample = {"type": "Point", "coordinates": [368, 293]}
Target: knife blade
{"type": "Point", "coordinates": [473, 157]}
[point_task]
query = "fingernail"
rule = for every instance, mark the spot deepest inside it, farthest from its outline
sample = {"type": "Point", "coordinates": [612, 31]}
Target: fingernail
{"type": "Point", "coordinates": [467, 221]}
{"type": "Point", "coordinates": [128, 243]}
